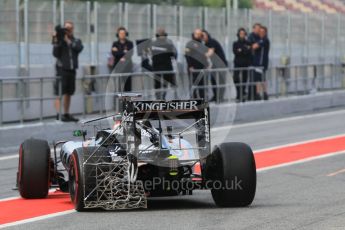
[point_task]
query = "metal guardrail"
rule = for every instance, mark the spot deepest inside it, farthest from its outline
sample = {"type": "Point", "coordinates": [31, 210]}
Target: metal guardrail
{"type": "Point", "coordinates": [23, 91]}
{"type": "Point", "coordinates": [310, 78]}
{"type": "Point", "coordinates": [282, 81]}
{"type": "Point", "coordinates": [221, 83]}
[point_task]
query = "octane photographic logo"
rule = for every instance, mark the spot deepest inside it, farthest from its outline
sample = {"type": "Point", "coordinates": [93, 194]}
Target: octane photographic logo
{"type": "Point", "coordinates": [158, 183]}
{"type": "Point", "coordinates": [179, 89]}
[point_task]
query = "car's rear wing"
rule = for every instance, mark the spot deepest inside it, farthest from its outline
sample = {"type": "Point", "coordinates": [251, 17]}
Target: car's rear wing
{"type": "Point", "coordinates": [175, 108]}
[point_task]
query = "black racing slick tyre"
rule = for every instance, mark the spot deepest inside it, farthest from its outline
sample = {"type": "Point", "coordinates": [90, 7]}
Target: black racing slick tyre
{"type": "Point", "coordinates": [33, 170]}
{"type": "Point", "coordinates": [82, 178]}
{"type": "Point", "coordinates": [231, 167]}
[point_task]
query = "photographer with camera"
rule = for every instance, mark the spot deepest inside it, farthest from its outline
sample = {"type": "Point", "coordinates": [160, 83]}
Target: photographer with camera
{"type": "Point", "coordinates": [66, 49]}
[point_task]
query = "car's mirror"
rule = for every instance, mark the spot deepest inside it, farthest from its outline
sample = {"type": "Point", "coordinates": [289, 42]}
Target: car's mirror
{"type": "Point", "coordinates": [79, 133]}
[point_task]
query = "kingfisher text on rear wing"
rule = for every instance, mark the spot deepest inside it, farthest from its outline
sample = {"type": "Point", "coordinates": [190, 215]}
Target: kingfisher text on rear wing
{"type": "Point", "coordinates": [191, 105]}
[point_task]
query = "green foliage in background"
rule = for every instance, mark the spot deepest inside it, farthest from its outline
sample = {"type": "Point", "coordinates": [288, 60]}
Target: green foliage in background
{"type": "Point", "coordinates": [212, 3]}
{"type": "Point", "coordinates": [245, 3]}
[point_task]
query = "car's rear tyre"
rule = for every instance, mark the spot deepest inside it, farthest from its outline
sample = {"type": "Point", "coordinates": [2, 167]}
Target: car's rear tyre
{"type": "Point", "coordinates": [33, 169]}
{"type": "Point", "coordinates": [82, 179]}
{"type": "Point", "coordinates": [232, 165]}
{"type": "Point", "coordinates": [76, 179]}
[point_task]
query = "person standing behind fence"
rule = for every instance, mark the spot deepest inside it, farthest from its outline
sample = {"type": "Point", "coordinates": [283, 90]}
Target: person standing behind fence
{"type": "Point", "coordinates": [254, 36]}
{"type": "Point", "coordinates": [260, 49]}
{"type": "Point", "coordinates": [122, 50]}
{"type": "Point", "coordinates": [264, 61]}
{"type": "Point", "coordinates": [254, 39]}
{"type": "Point", "coordinates": [163, 51]}
{"type": "Point", "coordinates": [218, 60]}
{"type": "Point", "coordinates": [242, 51]}
{"type": "Point", "coordinates": [66, 49]}
{"type": "Point", "coordinates": [261, 52]}
{"type": "Point", "coordinates": [195, 54]}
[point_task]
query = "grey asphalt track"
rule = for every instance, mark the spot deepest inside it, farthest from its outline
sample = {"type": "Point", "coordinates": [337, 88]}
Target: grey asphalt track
{"type": "Point", "coordinates": [300, 196]}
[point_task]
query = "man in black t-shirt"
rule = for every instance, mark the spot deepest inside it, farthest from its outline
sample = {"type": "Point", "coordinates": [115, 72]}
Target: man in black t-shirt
{"type": "Point", "coordinates": [195, 54]}
{"type": "Point", "coordinates": [254, 40]}
{"type": "Point", "coordinates": [218, 60]}
{"type": "Point", "coordinates": [122, 50]}
{"type": "Point", "coordinates": [243, 59]}
{"type": "Point", "coordinates": [163, 52]}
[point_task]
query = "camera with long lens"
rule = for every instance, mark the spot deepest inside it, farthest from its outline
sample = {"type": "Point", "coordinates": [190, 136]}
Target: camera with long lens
{"type": "Point", "coordinates": [60, 33]}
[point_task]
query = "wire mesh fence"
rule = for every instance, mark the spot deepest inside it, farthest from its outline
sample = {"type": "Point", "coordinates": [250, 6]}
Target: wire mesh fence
{"type": "Point", "coordinates": [27, 26]}
{"type": "Point", "coordinates": [9, 33]}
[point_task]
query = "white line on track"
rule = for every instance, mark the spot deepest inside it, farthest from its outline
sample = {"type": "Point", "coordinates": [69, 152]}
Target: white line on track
{"type": "Point", "coordinates": [9, 157]}
{"type": "Point", "coordinates": [20, 126]}
{"type": "Point", "coordinates": [29, 125]}
{"type": "Point", "coordinates": [337, 172]}
{"type": "Point", "coordinates": [258, 151]}
{"type": "Point", "coordinates": [16, 197]}
{"type": "Point", "coordinates": [14, 156]}
{"type": "Point", "coordinates": [294, 118]}
{"type": "Point", "coordinates": [9, 198]}
{"type": "Point", "coordinates": [37, 218]}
